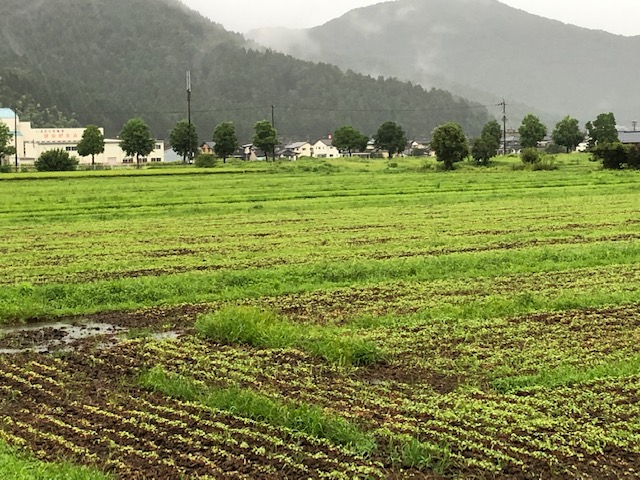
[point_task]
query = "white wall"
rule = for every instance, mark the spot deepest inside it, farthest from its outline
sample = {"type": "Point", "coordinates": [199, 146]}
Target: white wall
{"type": "Point", "coordinates": [32, 142]}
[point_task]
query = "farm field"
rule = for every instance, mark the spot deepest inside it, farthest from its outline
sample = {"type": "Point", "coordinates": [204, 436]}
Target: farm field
{"type": "Point", "coordinates": [336, 319]}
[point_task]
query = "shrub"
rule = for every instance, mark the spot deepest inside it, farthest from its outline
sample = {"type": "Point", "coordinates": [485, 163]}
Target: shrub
{"type": "Point", "coordinates": [553, 149]}
{"type": "Point", "coordinates": [206, 160]}
{"type": "Point", "coordinates": [5, 168]}
{"type": "Point", "coordinates": [633, 157]}
{"type": "Point", "coordinates": [547, 162]}
{"type": "Point", "coordinates": [55, 161]}
{"type": "Point", "coordinates": [612, 155]}
{"type": "Point", "coordinates": [530, 156]}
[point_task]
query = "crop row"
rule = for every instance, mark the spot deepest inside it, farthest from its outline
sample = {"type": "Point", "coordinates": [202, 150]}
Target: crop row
{"type": "Point", "coordinates": [485, 431]}
{"type": "Point", "coordinates": [134, 436]}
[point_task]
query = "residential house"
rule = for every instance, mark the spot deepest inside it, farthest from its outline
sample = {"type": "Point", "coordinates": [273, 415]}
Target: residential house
{"type": "Point", "coordinates": [301, 149]}
{"type": "Point", "coordinates": [374, 152]}
{"type": "Point", "coordinates": [513, 142]}
{"type": "Point", "coordinates": [418, 148]}
{"type": "Point", "coordinates": [208, 148]}
{"type": "Point", "coordinates": [251, 153]}
{"type": "Point", "coordinates": [324, 148]}
{"type": "Point", "coordinates": [287, 154]}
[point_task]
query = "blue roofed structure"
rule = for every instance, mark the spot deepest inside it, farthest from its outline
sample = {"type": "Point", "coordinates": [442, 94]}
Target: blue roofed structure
{"type": "Point", "coordinates": [7, 113]}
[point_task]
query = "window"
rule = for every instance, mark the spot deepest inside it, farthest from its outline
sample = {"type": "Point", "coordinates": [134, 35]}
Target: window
{"type": "Point", "coordinates": [71, 149]}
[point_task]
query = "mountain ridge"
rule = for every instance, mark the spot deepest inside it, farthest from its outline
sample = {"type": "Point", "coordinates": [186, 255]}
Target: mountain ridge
{"type": "Point", "coordinates": [484, 46]}
{"type": "Point", "coordinates": [104, 62]}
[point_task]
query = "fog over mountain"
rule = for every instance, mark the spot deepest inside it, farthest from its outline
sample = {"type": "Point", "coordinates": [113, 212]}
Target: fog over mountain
{"type": "Point", "coordinates": [104, 62]}
{"type": "Point", "coordinates": [480, 49]}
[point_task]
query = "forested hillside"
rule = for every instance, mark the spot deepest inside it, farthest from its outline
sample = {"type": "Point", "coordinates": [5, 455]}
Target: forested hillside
{"type": "Point", "coordinates": [105, 61]}
{"type": "Point", "coordinates": [481, 49]}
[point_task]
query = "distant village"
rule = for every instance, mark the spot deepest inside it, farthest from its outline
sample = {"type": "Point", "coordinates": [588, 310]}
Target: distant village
{"type": "Point", "coordinates": [32, 142]}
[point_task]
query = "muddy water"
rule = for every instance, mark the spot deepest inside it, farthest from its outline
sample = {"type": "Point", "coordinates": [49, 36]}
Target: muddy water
{"type": "Point", "coordinates": [43, 338]}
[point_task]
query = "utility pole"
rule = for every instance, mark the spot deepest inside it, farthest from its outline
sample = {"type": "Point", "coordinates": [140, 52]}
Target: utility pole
{"type": "Point", "coordinates": [189, 114]}
{"type": "Point", "coordinates": [273, 116]}
{"type": "Point", "coordinates": [504, 126]}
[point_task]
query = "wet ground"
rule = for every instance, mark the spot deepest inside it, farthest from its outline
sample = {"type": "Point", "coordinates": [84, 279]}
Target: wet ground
{"type": "Point", "coordinates": [99, 330]}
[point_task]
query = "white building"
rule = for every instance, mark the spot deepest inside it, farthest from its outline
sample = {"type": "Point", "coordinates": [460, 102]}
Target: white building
{"type": "Point", "coordinates": [32, 142]}
{"type": "Point", "coordinates": [324, 148]}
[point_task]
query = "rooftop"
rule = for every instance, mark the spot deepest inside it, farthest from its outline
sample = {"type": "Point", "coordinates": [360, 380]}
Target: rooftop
{"type": "Point", "coordinates": [7, 113]}
{"type": "Point", "coordinates": [629, 137]}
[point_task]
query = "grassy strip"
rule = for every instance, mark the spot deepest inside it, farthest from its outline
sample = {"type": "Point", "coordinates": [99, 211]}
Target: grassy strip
{"type": "Point", "coordinates": [16, 465]}
{"type": "Point", "coordinates": [28, 301]}
{"type": "Point", "coordinates": [497, 307]}
{"type": "Point", "coordinates": [409, 452]}
{"type": "Point", "coordinates": [247, 403]}
{"type": "Point", "coordinates": [402, 450]}
{"type": "Point", "coordinates": [264, 329]}
{"type": "Point", "coordinates": [569, 375]}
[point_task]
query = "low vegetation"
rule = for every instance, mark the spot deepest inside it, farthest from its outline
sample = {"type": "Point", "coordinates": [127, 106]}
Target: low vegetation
{"type": "Point", "coordinates": [263, 329]}
{"type": "Point", "coordinates": [345, 319]}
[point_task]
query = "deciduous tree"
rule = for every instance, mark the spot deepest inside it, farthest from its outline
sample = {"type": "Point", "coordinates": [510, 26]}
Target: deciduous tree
{"type": "Point", "coordinates": [532, 131]}
{"type": "Point", "coordinates": [349, 139]}
{"type": "Point", "coordinates": [135, 139]}
{"type": "Point", "coordinates": [391, 137]}
{"type": "Point", "coordinates": [226, 140]}
{"type": "Point", "coordinates": [482, 151]}
{"type": "Point", "coordinates": [450, 144]}
{"type": "Point", "coordinates": [486, 147]}
{"type": "Point", "coordinates": [602, 130]}
{"type": "Point", "coordinates": [5, 138]}
{"type": "Point", "coordinates": [567, 133]}
{"type": "Point", "coordinates": [184, 139]}
{"type": "Point", "coordinates": [265, 138]}
{"type": "Point", "coordinates": [492, 135]}
{"type": "Point", "coordinates": [92, 143]}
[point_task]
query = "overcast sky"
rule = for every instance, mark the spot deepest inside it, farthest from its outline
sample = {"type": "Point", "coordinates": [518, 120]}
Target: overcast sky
{"type": "Point", "coordinates": [615, 16]}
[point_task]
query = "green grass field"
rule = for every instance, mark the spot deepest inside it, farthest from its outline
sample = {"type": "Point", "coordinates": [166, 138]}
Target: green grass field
{"type": "Point", "coordinates": [479, 323]}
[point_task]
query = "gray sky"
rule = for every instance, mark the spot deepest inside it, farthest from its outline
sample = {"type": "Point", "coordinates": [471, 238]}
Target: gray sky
{"type": "Point", "coordinates": [615, 16]}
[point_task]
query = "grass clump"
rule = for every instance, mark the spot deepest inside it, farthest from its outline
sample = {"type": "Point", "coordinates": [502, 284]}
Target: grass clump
{"type": "Point", "coordinates": [409, 452]}
{"type": "Point", "coordinates": [264, 329]}
{"type": "Point", "coordinates": [570, 375]}
{"type": "Point", "coordinates": [247, 403]}
{"type": "Point", "coordinates": [16, 465]}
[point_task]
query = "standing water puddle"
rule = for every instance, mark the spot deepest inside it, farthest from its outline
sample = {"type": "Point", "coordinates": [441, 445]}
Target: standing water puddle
{"type": "Point", "coordinates": [54, 336]}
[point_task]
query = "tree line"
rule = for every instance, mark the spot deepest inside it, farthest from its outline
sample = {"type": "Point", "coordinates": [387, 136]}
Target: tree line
{"type": "Point", "coordinates": [448, 141]}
